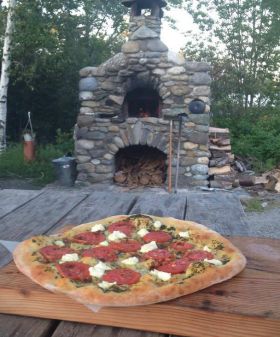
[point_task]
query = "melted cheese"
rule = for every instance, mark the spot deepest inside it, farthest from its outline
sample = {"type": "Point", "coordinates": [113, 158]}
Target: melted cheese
{"type": "Point", "coordinates": [148, 247]}
{"type": "Point", "coordinates": [106, 285]}
{"type": "Point", "coordinates": [99, 269]}
{"type": "Point", "coordinates": [116, 235]}
{"type": "Point", "coordinates": [142, 232]}
{"type": "Point", "coordinates": [157, 224]}
{"type": "Point", "coordinates": [97, 228]}
{"type": "Point", "coordinates": [207, 249]}
{"type": "Point", "coordinates": [69, 257]}
{"type": "Point", "coordinates": [161, 275]}
{"type": "Point", "coordinates": [104, 243]}
{"type": "Point", "coordinates": [130, 261]}
{"type": "Point", "coordinates": [184, 234]}
{"type": "Point", "coordinates": [59, 243]}
{"type": "Point", "coordinates": [214, 261]}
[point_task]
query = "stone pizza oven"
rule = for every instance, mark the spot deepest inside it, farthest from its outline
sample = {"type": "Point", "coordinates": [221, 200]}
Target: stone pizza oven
{"type": "Point", "coordinates": [123, 127]}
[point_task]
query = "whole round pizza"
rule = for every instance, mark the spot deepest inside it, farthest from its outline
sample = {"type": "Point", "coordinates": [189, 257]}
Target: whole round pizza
{"type": "Point", "coordinates": [129, 260]}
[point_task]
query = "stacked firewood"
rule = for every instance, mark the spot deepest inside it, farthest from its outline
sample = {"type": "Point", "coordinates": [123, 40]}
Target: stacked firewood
{"type": "Point", "coordinates": [221, 173]}
{"type": "Point", "coordinates": [144, 172]}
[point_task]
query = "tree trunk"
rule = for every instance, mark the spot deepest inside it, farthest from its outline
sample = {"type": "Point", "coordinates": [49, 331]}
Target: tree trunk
{"type": "Point", "coordinates": [4, 80]}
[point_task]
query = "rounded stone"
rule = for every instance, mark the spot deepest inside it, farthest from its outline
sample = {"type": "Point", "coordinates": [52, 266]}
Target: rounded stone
{"type": "Point", "coordinates": [201, 79]}
{"type": "Point", "coordinates": [88, 84]}
{"type": "Point", "coordinates": [95, 135]}
{"type": "Point", "coordinates": [197, 66]}
{"type": "Point", "coordinates": [82, 159]}
{"type": "Point", "coordinates": [87, 71]}
{"type": "Point", "coordinates": [85, 95]}
{"type": "Point", "coordinates": [85, 144]}
{"type": "Point", "coordinates": [199, 169]}
{"type": "Point", "coordinates": [190, 146]}
{"type": "Point", "coordinates": [113, 148]}
{"type": "Point", "coordinates": [84, 120]}
{"type": "Point", "coordinates": [176, 70]}
{"type": "Point", "coordinates": [156, 46]}
{"type": "Point", "coordinates": [95, 161]}
{"type": "Point", "coordinates": [130, 47]}
{"type": "Point", "coordinates": [108, 156]}
{"type": "Point", "coordinates": [180, 90]}
{"type": "Point", "coordinates": [86, 167]}
{"type": "Point", "coordinates": [200, 177]}
{"type": "Point", "coordinates": [203, 160]}
{"type": "Point", "coordinates": [86, 110]}
{"type": "Point", "coordinates": [114, 128]}
{"type": "Point", "coordinates": [118, 141]}
{"type": "Point", "coordinates": [202, 90]}
{"type": "Point", "coordinates": [103, 169]}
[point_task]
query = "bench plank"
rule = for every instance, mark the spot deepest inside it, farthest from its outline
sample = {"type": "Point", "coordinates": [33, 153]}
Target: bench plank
{"type": "Point", "coordinates": [12, 199]}
{"type": "Point", "coordinates": [173, 205]}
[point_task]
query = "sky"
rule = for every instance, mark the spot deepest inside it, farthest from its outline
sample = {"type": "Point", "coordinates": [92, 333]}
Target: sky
{"type": "Point", "coordinates": [174, 39]}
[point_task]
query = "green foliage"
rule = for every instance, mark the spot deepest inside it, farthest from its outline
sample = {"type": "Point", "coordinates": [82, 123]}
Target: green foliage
{"type": "Point", "coordinates": [241, 40]}
{"type": "Point", "coordinates": [53, 41]}
{"type": "Point", "coordinates": [12, 164]}
{"type": "Point", "coordinates": [253, 205]}
{"type": "Point", "coordinates": [255, 135]}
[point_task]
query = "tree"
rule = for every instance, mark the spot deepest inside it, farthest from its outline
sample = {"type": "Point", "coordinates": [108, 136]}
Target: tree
{"type": "Point", "coordinates": [4, 80]}
{"type": "Point", "coordinates": [243, 46]}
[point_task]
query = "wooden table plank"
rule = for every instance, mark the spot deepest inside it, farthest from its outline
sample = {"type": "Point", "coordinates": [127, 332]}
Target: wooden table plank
{"type": "Point", "coordinates": [38, 215]}
{"type": "Point", "coordinates": [98, 205]}
{"type": "Point", "coordinates": [66, 329]}
{"type": "Point", "coordinates": [221, 212]}
{"type": "Point", "coordinates": [173, 205]}
{"type": "Point", "coordinates": [12, 199]}
{"type": "Point", "coordinates": [248, 303]}
{"type": "Point", "coordinates": [17, 326]}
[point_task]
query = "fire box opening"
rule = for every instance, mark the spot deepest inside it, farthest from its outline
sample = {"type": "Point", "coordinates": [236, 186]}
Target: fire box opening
{"type": "Point", "coordinates": [143, 102]}
{"type": "Point", "coordinates": [140, 165]}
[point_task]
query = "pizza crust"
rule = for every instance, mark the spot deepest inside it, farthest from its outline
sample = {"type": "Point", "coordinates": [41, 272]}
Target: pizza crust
{"type": "Point", "coordinates": [144, 292]}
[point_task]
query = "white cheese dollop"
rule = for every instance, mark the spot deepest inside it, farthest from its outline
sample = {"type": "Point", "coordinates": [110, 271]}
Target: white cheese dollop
{"type": "Point", "coordinates": [142, 232]}
{"type": "Point", "coordinates": [148, 247]}
{"type": "Point", "coordinates": [130, 261]}
{"type": "Point", "coordinates": [184, 234]}
{"type": "Point", "coordinates": [116, 235]}
{"type": "Point", "coordinates": [106, 285]}
{"type": "Point", "coordinates": [59, 243]}
{"type": "Point", "coordinates": [98, 227]}
{"type": "Point", "coordinates": [104, 243]}
{"type": "Point", "coordinates": [214, 261]}
{"type": "Point", "coordinates": [161, 275]}
{"type": "Point", "coordinates": [99, 269]}
{"type": "Point", "coordinates": [157, 224]}
{"type": "Point", "coordinates": [69, 257]}
{"type": "Point", "coordinates": [207, 249]}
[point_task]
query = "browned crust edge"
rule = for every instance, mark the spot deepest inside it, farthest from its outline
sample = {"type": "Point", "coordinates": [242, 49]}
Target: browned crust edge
{"type": "Point", "coordinates": [144, 294]}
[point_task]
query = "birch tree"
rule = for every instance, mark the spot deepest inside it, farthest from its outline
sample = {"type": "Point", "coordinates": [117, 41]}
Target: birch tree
{"type": "Point", "coordinates": [4, 80]}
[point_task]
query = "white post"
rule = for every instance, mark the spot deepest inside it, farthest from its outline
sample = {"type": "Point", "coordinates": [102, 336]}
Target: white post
{"type": "Point", "coordinates": [4, 79]}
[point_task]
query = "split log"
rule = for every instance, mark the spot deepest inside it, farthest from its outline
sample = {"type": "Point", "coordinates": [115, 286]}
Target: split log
{"type": "Point", "coordinates": [219, 170]}
{"type": "Point", "coordinates": [247, 180]}
{"type": "Point", "coordinates": [220, 141]}
{"type": "Point", "coordinates": [226, 148]}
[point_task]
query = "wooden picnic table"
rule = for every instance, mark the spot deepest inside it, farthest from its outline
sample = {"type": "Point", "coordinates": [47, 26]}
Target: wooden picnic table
{"type": "Point", "coordinates": [247, 305]}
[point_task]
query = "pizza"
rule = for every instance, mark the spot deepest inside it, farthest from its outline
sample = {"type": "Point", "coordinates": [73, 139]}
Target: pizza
{"type": "Point", "coordinates": [129, 260]}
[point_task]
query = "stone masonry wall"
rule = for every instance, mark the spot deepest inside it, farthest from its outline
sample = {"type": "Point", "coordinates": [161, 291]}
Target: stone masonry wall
{"type": "Point", "coordinates": [144, 62]}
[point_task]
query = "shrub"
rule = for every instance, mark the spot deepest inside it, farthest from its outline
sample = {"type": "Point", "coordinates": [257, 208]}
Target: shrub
{"type": "Point", "coordinates": [255, 134]}
{"type": "Point", "coordinates": [12, 163]}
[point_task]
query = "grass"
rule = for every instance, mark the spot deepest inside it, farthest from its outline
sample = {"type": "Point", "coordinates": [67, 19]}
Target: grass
{"type": "Point", "coordinates": [253, 205]}
{"type": "Point", "coordinates": [12, 164]}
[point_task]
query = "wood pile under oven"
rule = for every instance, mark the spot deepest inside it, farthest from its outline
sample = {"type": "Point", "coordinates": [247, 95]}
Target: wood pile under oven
{"type": "Point", "coordinates": [140, 166]}
{"type": "Point", "coordinates": [221, 173]}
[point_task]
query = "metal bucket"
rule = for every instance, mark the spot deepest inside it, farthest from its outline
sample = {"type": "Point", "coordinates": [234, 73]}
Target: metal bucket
{"type": "Point", "coordinates": [65, 169]}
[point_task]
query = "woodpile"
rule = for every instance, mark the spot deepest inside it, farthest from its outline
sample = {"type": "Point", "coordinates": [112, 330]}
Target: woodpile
{"type": "Point", "coordinates": [221, 172]}
{"type": "Point", "coordinates": [269, 180]}
{"type": "Point", "coordinates": [146, 170]}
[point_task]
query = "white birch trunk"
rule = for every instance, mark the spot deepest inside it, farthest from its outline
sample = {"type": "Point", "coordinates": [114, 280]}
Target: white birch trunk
{"type": "Point", "coordinates": [4, 80]}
